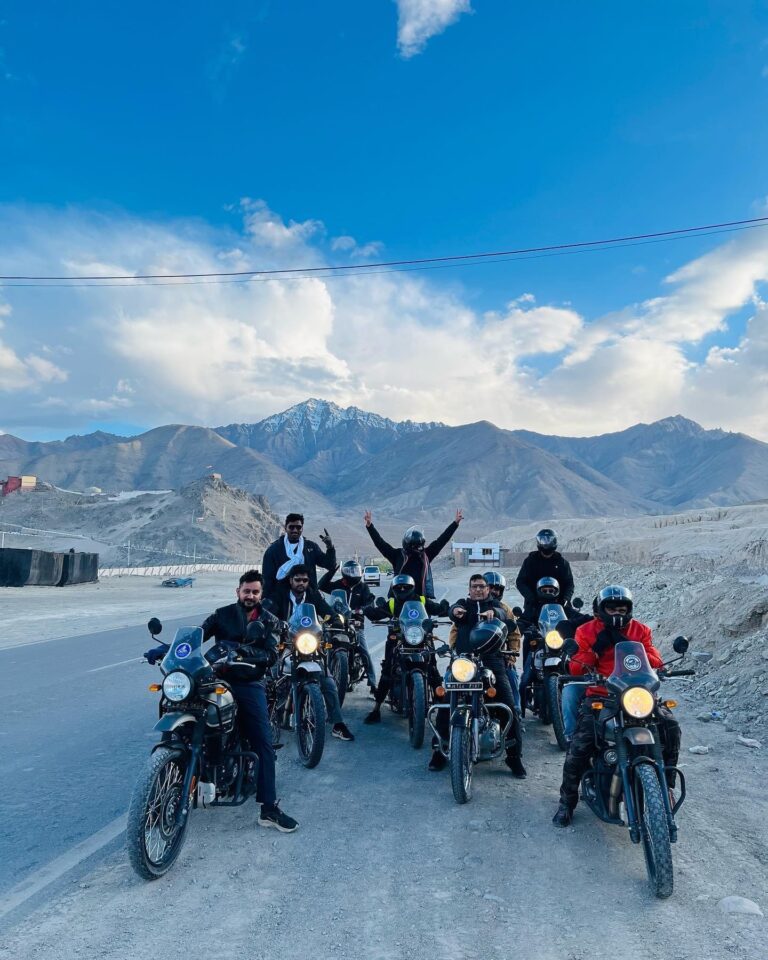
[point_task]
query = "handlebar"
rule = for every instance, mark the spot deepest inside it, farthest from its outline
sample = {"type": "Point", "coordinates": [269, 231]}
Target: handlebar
{"type": "Point", "coordinates": [677, 673]}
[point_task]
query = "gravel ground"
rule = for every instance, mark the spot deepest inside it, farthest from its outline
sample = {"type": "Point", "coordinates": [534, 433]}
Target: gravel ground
{"type": "Point", "coordinates": [386, 866]}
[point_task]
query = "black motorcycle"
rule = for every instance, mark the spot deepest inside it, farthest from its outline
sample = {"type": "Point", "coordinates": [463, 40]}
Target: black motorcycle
{"type": "Point", "coordinates": [546, 673]}
{"type": "Point", "coordinates": [478, 725]}
{"type": "Point", "coordinates": [410, 692]}
{"type": "Point", "coordinates": [306, 664]}
{"type": "Point", "coordinates": [344, 661]}
{"type": "Point", "coordinates": [201, 757]}
{"type": "Point", "coordinates": [626, 783]}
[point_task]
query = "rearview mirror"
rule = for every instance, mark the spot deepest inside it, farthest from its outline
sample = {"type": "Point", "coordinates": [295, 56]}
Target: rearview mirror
{"type": "Point", "coordinates": [381, 603]}
{"type": "Point", "coordinates": [680, 644]}
{"type": "Point", "coordinates": [518, 611]}
{"type": "Point", "coordinates": [444, 608]}
{"type": "Point", "coordinates": [577, 603]}
{"type": "Point", "coordinates": [154, 626]}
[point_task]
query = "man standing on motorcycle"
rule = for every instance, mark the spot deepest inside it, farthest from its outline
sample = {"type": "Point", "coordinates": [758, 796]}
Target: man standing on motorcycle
{"type": "Point", "coordinates": [295, 590]}
{"type": "Point", "coordinates": [544, 561]}
{"type": "Point", "coordinates": [291, 549]}
{"type": "Point", "coordinates": [228, 626]}
{"type": "Point", "coordinates": [358, 596]}
{"type": "Point", "coordinates": [415, 556]}
{"type": "Point", "coordinates": [466, 614]}
{"type": "Point", "coordinates": [403, 589]}
{"type": "Point", "coordinates": [596, 641]}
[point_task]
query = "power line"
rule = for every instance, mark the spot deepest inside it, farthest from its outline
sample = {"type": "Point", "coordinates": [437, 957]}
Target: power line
{"type": "Point", "coordinates": [414, 263]}
{"type": "Point", "coordinates": [372, 273]}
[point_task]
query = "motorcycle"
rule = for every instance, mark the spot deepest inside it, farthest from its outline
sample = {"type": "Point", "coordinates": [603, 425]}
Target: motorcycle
{"type": "Point", "coordinates": [478, 726]}
{"type": "Point", "coordinates": [548, 644]}
{"type": "Point", "coordinates": [201, 758]}
{"type": "Point", "coordinates": [305, 665]}
{"type": "Point", "coordinates": [410, 692]}
{"type": "Point", "coordinates": [344, 661]}
{"type": "Point", "coordinates": [626, 782]}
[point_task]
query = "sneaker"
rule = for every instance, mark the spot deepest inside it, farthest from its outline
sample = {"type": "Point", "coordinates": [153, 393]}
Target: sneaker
{"type": "Point", "coordinates": [342, 732]}
{"type": "Point", "coordinates": [564, 816]}
{"type": "Point", "coordinates": [437, 761]}
{"type": "Point", "coordinates": [374, 716]}
{"type": "Point", "coordinates": [515, 764]}
{"type": "Point", "coordinates": [274, 817]}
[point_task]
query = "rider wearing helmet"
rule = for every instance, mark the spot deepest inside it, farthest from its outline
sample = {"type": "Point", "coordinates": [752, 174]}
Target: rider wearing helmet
{"type": "Point", "coordinates": [497, 584]}
{"type": "Point", "coordinates": [358, 596]}
{"type": "Point", "coordinates": [403, 589]}
{"type": "Point", "coordinates": [466, 614]}
{"type": "Point", "coordinates": [415, 555]}
{"type": "Point", "coordinates": [544, 562]}
{"type": "Point", "coordinates": [596, 641]}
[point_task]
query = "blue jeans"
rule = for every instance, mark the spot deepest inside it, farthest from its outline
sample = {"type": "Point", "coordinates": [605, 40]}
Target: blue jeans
{"type": "Point", "coordinates": [514, 682]}
{"type": "Point", "coordinates": [572, 695]}
{"type": "Point", "coordinates": [253, 716]}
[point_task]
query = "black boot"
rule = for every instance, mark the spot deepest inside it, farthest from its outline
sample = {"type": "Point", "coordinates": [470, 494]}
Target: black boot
{"type": "Point", "coordinates": [437, 761]}
{"type": "Point", "coordinates": [564, 815]}
{"type": "Point", "coordinates": [374, 716]}
{"type": "Point", "coordinates": [515, 764]}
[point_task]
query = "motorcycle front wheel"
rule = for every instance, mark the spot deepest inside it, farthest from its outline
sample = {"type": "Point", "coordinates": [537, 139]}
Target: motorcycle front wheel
{"type": "Point", "coordinates": [310, 725]}
{"type": "Point", "coordinates": [153, 837]}
{"type": "Point", "coordinates": [654, 831]}
{"type": "Point", "coordinates": [460, 755]}
{"type": "Point", "coordinates": [554, 695]}
{"type": "Point", "coordinates": [340, 672]}
{"type": "Point", "coordinates": [417, 710]}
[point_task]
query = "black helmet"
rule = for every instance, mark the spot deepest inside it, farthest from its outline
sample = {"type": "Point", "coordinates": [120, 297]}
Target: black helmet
{"type": "Point", "coordinates": [546, 540]}
{"type": "Point", "coordinates": [487, 638]}
{"type": "Point", "coordinates": [352, 572]}
{"type": "Point", "coordinates": [413, 540]}
{"type": "Point", "coordinates": [496, 580]}
{"type": "Point", "coordinates": [614, 595]}
{"type": "Point", "coordinates": [403, 586]}
{"type": "Point", "coordinates": [548, 589]}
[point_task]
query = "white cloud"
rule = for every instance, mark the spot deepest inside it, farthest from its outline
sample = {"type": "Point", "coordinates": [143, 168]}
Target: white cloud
{"type": "Point", "coordinates": [419, 20]}
{"type": "Point", "coordinates": [397, 343]}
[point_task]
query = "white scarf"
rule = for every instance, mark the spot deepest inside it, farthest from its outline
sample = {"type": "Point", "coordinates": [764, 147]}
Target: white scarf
{"type": "Point", "coordinates": [295, 554]}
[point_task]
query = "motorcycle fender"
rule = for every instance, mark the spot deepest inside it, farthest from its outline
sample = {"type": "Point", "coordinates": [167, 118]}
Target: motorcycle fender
{"type": "Point", "coordinates": [461, 718]}
{"type": "Point", "coordinates": [309, 667]}
{"type": "Point", "coordinates": [170, 721]}
{"type": "Point", "coordinates": [639, 736]}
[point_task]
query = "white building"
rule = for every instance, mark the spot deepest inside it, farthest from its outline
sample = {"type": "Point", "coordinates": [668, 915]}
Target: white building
{"type": "Point", "coordinates": [466, 554]}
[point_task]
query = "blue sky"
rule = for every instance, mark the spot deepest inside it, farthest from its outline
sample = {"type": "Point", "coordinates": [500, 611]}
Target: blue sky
{"type": "Point", "coordinates": [132, 136]}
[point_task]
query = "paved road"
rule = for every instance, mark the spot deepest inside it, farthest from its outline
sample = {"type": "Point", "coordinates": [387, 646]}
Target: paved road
{"type": "Point", "coordinates": [77, 725]}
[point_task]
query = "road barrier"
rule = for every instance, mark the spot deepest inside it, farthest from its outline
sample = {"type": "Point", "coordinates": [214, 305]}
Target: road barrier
{"type": "Point", "coordinates": [44, 568]}
{"type": "Point", "coordinates": [175, 569]}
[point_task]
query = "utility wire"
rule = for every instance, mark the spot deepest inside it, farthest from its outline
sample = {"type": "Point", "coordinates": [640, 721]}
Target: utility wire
{"type": "Point", "coordinates": [423, 262]}
{"type": "Point", "coordinates": [364, 270]}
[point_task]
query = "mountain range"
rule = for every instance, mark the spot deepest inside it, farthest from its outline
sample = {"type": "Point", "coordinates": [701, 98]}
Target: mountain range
{"type": "Point", "coordinates": [334, 462]}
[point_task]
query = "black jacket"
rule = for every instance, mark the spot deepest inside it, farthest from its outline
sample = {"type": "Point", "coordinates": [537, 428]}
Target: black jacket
{"type": "Point", "coordinates": [535, 566]}
{"type": "Point", "coordinates": [228, 627]}
{"type": "Point", "coordinates": [314, 557]}
{"type": "Point", "coordinates": [358, 596]}
{"type": "Point", "coordinates": [280, 602]}
{"type": "Point", "coordinates": [416, 565]}
{"type": "Point", "coordinates": [469, 621]}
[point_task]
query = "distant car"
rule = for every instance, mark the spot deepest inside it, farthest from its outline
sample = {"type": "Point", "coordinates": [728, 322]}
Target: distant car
{"type": "Point", "coordinates": [372, 575]}
{"type": "Point", "coordinates": [178, 582]}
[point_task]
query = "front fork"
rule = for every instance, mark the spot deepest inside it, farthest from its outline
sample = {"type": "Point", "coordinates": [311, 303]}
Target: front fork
{"type": "Point", "coordinates": [195, 752]}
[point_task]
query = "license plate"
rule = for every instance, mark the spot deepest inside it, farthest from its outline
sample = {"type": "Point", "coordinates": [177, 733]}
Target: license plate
{"type": "Point", "coordinates": [477, 685]}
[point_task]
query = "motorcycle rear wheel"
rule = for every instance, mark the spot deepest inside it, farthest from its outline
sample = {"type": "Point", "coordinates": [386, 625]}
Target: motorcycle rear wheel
{"type": "Point", "coordinates": [460, 755]}
{"type": "Point", "coordinates": [310, 725]}
{"type": "Point", "coordinates": [417, 710]}
{"type": "Point", "coordinates": [654, 831]}
{"type": "Point", "coordinates": [153, 838]}
{"type": "Point", "coordinates": [554, 694]}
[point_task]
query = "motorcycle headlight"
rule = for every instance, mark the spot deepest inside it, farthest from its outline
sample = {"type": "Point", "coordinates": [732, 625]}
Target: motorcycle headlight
{"type": "Point", "coordinates": [413, 634]}
{"type": "Point", "coordinates": [177, 686]}
{"type": "Point", "coordinates": [637, 702]}
{"type": "Point", "coordinates": [553, 640]}
{"type": "Point", "coordinates": [306, 643]}
{"type": "Point", "coordinates": [463, 670]}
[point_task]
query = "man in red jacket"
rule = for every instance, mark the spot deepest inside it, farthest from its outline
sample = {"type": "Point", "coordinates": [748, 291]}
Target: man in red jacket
{"type": "Point", "coordinates": [596, 641]}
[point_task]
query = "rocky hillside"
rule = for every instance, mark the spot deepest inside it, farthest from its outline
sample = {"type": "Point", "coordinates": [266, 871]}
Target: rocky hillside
{"type": "Point", "coordinates": [206, 519]}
